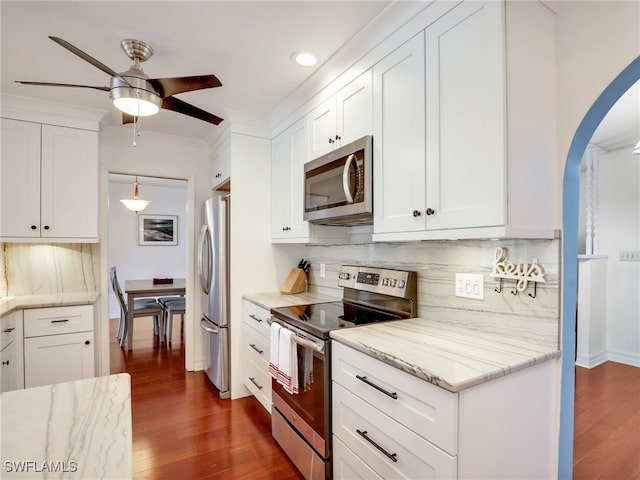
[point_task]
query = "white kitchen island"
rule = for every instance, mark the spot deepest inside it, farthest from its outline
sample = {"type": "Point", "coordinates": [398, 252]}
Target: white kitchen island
{"type": "Point", "coordinates": [79, 429]}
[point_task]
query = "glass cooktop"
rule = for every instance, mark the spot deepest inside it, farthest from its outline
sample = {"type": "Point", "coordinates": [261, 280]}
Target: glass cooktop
{"type": "Point", "coordinates": [321, 318]}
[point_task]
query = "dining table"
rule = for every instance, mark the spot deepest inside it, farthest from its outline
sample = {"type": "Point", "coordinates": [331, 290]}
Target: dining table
{"type": "Point", "coordinates": [150, 287]}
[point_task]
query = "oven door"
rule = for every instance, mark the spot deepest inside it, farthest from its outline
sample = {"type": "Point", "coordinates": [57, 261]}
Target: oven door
{"type": "Point", "coordinates": [307, 412]}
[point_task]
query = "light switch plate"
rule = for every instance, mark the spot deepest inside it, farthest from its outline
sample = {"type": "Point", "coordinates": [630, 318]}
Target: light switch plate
{"type": "Point", "coordinates": [630, 256]}
{"type": "Point", "coordinates": [470, 285]}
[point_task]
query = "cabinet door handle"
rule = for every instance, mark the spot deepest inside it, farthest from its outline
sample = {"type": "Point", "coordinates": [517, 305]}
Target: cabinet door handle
{"type": "Point", "coordinates": [253, 345]}
{"type": "Point", "coordinates": [338, 137]}
{"type": "Point", "coordinates": [60, 321]}
{"type": "Point", "coordinates": [33, 227]}
{"type": "Point", "coordinates": [393, 395]}
{"type": "Point", "coordinates": [430, 211]}
{"type": "Point", "coordinates": [253, 380]}
{"type": "Point", "coordinates": [9, 330]}
{"type": "Point", "coordinates": [417, 213]}
{"type": "Point", "coordinates": [331, 140]}
{"type": "Point", "coordinates": [6, 363]}
{"type": "Point", "coordinates": [46, 227]}
{"type": "Point", "coordinates": [391, 456]}
{"type": "Point", "coordinates": [87, 342]}
{"type": "Point", "coordinates": [255, 318]}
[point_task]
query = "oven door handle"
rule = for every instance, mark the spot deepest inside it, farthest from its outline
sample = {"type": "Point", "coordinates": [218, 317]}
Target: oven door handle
{"type": "Point", "coordinates": [318, 347]}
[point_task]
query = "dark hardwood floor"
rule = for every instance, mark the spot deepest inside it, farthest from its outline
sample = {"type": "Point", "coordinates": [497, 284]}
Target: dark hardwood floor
{"type": "Point", "coordinates": [607, 423]}
{"type": "Point", "coordinates": [181, 428]}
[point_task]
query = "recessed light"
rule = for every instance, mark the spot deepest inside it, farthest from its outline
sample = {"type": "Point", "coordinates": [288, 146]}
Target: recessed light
{"type": "Point", "coordinates": [306, 59]}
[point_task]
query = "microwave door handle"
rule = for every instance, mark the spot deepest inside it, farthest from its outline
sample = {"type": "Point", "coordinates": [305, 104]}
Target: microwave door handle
{"type": "Point", "coordinates": [345, 178]}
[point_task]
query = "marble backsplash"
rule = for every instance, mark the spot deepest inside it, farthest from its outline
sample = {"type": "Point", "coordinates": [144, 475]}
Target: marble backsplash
{"type": "Point", "coordinates": [532, 319]}
{"type": "Point", "coordinates": [34, 269]}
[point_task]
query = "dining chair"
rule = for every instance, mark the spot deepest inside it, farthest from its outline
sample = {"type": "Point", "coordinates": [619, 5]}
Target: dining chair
{"type": "Point", "coordinates": [171, 306]}
{"type": "Point", "coordinates": [142, 307]}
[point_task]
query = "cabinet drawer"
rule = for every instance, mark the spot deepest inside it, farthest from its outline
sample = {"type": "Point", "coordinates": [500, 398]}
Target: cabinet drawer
{"type": "Point", "coordinates": [257, 317]}
{"type": "Point", "coordinates": [347, 464]}
{"type": "Point", "coordinates": [58, 320]}
{"type": "Point", "coordinates": [256, 347]}
{"type": "Point", "coordinates": [8, 329]}
{"type": "Point", "coordinates": [430, 411]}
{"type": "Point", "coordinates": [258, 381]}
{"type": "Point", "coordinates": [389, 448]}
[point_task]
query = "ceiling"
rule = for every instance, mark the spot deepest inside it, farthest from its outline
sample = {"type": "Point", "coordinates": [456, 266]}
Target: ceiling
{"type": "Point", "coordinates": [246, 44]}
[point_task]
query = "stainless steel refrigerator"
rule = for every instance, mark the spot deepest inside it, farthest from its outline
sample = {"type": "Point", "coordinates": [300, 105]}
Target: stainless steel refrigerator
{"type": "Point", "coordinates": [213, 270]}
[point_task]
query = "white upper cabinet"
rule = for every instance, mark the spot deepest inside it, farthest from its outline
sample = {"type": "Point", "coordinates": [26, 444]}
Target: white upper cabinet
{"type": "Point", "coordinates": [289, 154]}
{"type": "Point", "coordinates": [221, 163]}
{"type": "Point", "coordinates": [481, 165]}
{"type": "Point", "coordinates": [343, 118]}
{"type": "Point", "coordinates": [49, 182]}
{"type": "Point", "coordinates": [398, 139]}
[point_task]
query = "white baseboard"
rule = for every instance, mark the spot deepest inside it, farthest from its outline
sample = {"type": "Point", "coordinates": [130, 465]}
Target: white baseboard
{"type": "Point", "coordinates": [591, 361]}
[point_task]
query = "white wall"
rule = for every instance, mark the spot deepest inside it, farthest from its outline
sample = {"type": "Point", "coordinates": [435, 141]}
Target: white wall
{"type": "Point", "coordinates": [620, 231]}
{"type": "Point", "coordinates": [157, 155]}
{"type": "Point", "coordinates": [134, 261]}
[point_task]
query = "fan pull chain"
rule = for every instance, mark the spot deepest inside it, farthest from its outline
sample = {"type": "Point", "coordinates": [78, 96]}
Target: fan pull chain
{"type": "Point", "coordinates": [136, 122]}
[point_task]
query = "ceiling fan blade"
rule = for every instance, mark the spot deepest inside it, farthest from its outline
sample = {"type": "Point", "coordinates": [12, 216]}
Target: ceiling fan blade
{"type": "Point", "coordinates": [48, 84]}
{"type": "Point", "coordinates": [86, 57]}
{"type": "Point", "coordinates": [172, 103]}
{"type": "Point", "coordinates": [171, 86]}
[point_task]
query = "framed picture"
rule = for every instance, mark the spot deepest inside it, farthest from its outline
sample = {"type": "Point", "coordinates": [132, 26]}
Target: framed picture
{"type": "Point", "coordinates": [157, 229]}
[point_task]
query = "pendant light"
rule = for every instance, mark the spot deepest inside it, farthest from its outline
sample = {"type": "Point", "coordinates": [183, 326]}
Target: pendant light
{"type": "Point", "coordinates": [135, 204]}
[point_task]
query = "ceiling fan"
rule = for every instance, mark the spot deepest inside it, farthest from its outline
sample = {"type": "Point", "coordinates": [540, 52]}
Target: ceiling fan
{"type": "Point", "coordinates": [137, 95]}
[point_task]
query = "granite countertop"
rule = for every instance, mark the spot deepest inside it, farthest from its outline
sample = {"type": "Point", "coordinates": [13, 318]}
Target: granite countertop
{"type": "Point", "coordinates": [81, 428]}
{"type": "Point", "coordinates": [449, 356]}
{"type": "Point", "coordinates": [8, 304]}
{"type": "Point", "coordinates": [271, 300]}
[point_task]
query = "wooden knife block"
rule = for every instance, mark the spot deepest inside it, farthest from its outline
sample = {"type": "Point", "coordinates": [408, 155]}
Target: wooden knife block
{"type": "Point", "coordinates": [296, 282]}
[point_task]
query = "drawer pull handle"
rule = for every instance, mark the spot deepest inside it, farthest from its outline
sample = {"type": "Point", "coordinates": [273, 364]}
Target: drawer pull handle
{"type": "Point", "coordinates": [9, 330]}
{"type": "Point", "coordinates": [393, 395]}
{"type": "Point", "coordinates": [364, 435]}
{"type": "Point", "coordinates": [60, 321]}
{"type": "Point", "coordinates": [253, 380]}
{"type": "Point", "coordinates": [253, 345]}
{"type": "Point", "coordinates": [255, 318]}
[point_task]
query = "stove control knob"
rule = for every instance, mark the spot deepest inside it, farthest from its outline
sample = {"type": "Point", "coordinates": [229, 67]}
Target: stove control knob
{"type": "Point", "coordinates": [385, 282]}
{"type": "Point", "coordinates": [392, 282]}
{"type": "Point", "coordinates": [401, 283]}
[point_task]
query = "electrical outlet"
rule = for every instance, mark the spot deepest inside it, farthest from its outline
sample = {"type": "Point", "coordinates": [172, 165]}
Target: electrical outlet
{"type": "Point", "coordinates": [628, 256]}
{"type": "Point", "coordinates": [322, 271]}
{"type": "Point", "coordinates": [470, 285]}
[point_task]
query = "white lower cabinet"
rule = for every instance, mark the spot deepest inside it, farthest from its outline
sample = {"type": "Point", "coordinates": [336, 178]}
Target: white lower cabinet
{"type": "Point", "coordinates": [390, 424]}
{"type": "Point", "coordinates": [256, 347]}
{"type": "Point", "coordinates": [11, 370]}
{"type": "Point", "coordinates": [58, 345]}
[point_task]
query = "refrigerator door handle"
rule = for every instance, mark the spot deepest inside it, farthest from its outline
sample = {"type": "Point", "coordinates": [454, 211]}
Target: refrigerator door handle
{"type": "Point", "coordinates": [204, 271]}
{"type": "Point", "coordinates": [206, 328]}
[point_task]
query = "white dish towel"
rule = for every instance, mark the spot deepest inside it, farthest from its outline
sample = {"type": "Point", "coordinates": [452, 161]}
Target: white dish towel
{"type": "Point", "coordinates": [275, 345]}
{"type": "Point", "coordinates": [288, 362]}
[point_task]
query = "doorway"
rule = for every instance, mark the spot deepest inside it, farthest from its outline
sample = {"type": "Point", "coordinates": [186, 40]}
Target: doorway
{"type": "Point", "coordinates": [570, 210]}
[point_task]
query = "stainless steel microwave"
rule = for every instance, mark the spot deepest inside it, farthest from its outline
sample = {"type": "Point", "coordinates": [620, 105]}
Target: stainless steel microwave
{"type": "Point", "coordinates": [338, 185]}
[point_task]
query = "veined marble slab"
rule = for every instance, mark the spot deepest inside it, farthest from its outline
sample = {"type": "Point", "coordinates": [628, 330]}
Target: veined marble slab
{"type": "Point", "coordinates": [8, 304]}
{"type": "Point", "coordinates": [81, 429]}
{"type": "Point", "coordinates": [271, 300]}
{"type": "Point", "coordinates": [449, 356]}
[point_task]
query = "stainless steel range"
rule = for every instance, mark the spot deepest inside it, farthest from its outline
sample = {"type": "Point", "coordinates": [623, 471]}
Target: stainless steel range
{"type": "Point", "coordinates": [301, 422]}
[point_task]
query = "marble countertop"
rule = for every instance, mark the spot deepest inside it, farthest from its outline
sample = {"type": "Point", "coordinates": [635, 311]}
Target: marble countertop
{"type": "Point", "coordinates": [81, 428]}
{"type": "Point", "coordinates": [271, 300]}
{"type": "Point", "coordinates": [449, 356]}
{"type": "Point", "coordinates": [8, 304]}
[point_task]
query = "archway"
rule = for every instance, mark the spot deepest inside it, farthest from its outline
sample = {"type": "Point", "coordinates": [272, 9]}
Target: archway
{"type": "Point", "coordinates": [570, 209]}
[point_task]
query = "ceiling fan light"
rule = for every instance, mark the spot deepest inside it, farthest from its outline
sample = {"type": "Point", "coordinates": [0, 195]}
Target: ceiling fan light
{"type": "Point", "coordinates": [136, 102]}
{"type": "Point", "coordinates": [636, 150]}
